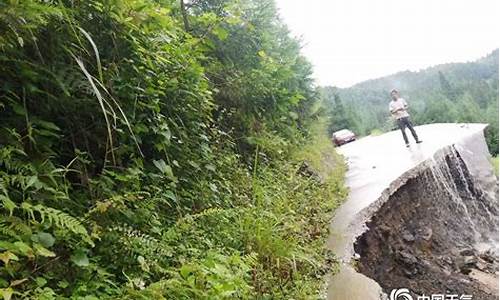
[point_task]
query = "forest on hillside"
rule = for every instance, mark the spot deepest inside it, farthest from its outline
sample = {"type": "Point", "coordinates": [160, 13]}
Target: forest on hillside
{"type": "Point", "coordinates": [154, 149]}
{"type": "Point", "coordinates": [454, 92]}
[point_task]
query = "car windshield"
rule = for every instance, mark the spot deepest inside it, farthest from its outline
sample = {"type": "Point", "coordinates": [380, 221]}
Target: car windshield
{"type": "Point", "coordinates": [342, 133]}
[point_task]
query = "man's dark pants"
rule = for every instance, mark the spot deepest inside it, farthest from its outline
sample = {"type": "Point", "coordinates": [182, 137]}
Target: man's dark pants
{"type": "Point", "coordinates": [403, 123]}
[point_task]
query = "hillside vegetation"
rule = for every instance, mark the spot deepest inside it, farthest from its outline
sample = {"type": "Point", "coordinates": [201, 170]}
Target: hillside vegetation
{"type": "Point", "coordinates": [454, 92]}
{"type": "Point", "coordinates": [154, 149]}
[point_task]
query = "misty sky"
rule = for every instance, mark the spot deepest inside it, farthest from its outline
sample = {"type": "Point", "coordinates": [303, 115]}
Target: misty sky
{"type": "Point", "coordinates": [349, 41]}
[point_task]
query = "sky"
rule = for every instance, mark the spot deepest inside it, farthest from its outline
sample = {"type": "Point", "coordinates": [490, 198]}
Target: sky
{"type": "Point", "coordinates": [349, 41]}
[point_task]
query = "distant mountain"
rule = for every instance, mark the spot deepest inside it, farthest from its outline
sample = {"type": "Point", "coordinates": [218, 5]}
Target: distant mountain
{"type": "Point", "coordinates": [485, 68]}
{"type": "Point", "coordinates": [452, 92]}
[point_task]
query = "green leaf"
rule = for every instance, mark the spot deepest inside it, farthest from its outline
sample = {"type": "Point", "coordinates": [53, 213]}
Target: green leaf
{"type": "Point", "coordinates": [40, 250]}
{"type": "Point", "coordinates": [8, 204]}
{"type": "Point", "coordinates": [80, 258]}
{"type": "Point", "coordinates": [161, 165]}
{"type": "Point", "coordinates": [165, 132]}
{"type": "Point", "coordinates": [185, 270]}
{"type": "Point", "coordinates": [44, 238]}
{"type": "Point", "coordinates": [170, 195]}
{"type": "Point", "coordinates": [193, 164]}
{"type": "Point", "coordinates": [221, 33]}
{"type": "Point", "coordinates": [6, 293]}
{"type": "Point", "coordinates": [31, 181]}
{"type": "Point", "coordinates": [164, 168]}
{"type": "Point", "coordinates": [143, 263]}
{"type": "Point", "coordinates": [40, 281]}
{"type": "Point", "coordinates": [18, 109]}
{"type": "Point", "coordinates": [47, 125]}
{"type": "Point", "coordinates": [210, 167]}
{"type": "Point", "coordinates": [63, 284]}
{"type": "Point", "coordinates": [293, 115]}
{"type": "Point", "coordinates": [22, 248]}
{"type": "Point", "coordinates": [8, 256]}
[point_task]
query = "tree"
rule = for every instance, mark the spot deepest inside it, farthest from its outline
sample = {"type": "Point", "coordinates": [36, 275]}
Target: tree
{"type": "Point", "coordinates": [446, 87]}
{"type": "Point", "coordinates": [341, 116]}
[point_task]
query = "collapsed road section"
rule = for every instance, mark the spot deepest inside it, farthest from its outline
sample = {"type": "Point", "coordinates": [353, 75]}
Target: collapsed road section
{"type": "Point", "coordinates": [423, 218]}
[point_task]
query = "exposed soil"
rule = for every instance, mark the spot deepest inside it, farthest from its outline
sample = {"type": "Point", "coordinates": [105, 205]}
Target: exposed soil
{"type": "Point", "coordinates": [437, 234]}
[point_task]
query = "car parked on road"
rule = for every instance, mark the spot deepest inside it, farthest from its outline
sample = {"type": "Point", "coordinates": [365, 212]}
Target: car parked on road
{"type": "Point", "coordinates": [342, 137]}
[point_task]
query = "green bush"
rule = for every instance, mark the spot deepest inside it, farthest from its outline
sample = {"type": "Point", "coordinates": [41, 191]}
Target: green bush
{"type": "Point", "coordinates": [494, 162]}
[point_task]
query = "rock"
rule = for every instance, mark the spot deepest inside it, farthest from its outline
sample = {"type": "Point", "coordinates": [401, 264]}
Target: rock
{"type": "Point", "coordinates": [425, 233]}
{"type": "Point", "coordinates": [488, 257]}
{"type": "Point", "coordinates": [466, 263]}
{"type": "Point", "coordinates": [447, 260]}
{"type": "Point", "coordinates": [385, 229]}
{"type": "Point", "coordinates": [470, 260]}
{"type": "Point", "coordinates": [410, 272]}
{"type": "Point", "coordinates": [467, 252]}
{"type": "Point", "coordinates": [426, 264]}
{"type": "Point", "coordinates": [464, 281]}
{"type": "Point", "coordinates": [406, 258]}
{"type": "Point", "coordinates": [407, 236]}
{"type": "Point", "coordinates": [482, 266]}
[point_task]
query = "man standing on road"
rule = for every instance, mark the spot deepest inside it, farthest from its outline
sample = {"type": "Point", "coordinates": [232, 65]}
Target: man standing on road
{"type": "Point", "coordinates": [398, 107]}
